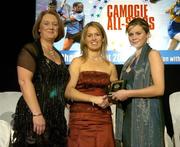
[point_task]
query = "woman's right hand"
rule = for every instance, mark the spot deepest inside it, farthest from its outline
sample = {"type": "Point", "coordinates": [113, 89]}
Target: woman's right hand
{"type": "Point", "coordinates": [39, 124]}
{"type": "Point", "coordinates": [101, 101]}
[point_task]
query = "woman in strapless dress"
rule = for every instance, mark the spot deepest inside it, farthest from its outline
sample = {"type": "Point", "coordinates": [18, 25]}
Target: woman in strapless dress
{"type": "Point", "coordinates": [90, 121]}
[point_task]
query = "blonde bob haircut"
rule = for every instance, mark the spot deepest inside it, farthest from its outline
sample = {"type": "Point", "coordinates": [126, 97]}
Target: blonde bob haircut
{"type": "Point", "coordinates": [83, 45]}
{"type": "Point", "coordinates": [35, 30]}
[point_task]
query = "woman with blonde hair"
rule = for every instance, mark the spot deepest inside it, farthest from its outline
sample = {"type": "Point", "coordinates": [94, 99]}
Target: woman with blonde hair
{"type": "Point", "coordinates": [90, 121]}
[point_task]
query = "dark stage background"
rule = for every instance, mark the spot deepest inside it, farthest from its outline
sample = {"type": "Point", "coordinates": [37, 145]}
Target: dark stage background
{"type": "Point", "coordinates": [17, 26]}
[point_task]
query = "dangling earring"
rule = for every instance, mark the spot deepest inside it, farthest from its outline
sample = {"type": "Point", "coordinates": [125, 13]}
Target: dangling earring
{"type": "Point", "coordinates": [148, 42]}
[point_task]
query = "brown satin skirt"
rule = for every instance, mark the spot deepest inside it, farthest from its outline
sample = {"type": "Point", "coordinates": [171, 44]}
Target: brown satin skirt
{"type": "Point", "coordinates": [90, 126]}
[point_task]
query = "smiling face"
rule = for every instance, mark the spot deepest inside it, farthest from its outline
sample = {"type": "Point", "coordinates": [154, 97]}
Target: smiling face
{"type": "Point", "coordinates": [137, 36]}
{"type": "Point", "coordinates": [49, 27]}
{"type": "Point", "coordinates": [93, 39]}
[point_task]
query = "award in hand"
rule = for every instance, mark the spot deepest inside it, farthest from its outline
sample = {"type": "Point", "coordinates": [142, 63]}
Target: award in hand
{"type": "Point", "coordinates": [115, 86]}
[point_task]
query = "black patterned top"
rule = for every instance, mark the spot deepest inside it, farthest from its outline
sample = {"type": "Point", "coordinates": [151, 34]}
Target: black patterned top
{"type": "Point", "coordinates": [49, 80]}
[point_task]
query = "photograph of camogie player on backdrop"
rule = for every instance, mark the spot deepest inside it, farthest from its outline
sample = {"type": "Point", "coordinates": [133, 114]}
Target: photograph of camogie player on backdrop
{"type": "Point", "coordinates": [114, 16]}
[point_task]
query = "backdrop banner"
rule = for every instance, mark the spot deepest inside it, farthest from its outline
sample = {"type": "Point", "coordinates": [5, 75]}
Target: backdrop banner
{"type": "Point", "coordinates": [114, 15]}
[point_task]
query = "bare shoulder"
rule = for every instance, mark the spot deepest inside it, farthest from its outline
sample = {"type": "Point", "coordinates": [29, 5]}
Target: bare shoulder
{"type": "Point", "coordinates": [154, 54]}
{"type": "Point", "coordinates": [113, 72]}
{"type": "Point", "coordinates": [155, 57]}
{"type": "Point", "coordinates": [76, 63]}
{"type": "Point", "coordinates": [77, 60]}
{"type": "Point", "coordinates": [112, 65]}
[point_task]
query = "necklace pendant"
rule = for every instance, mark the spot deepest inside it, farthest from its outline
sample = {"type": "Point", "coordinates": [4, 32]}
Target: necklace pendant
{"type": "Point", "coordinates": [51, 52]}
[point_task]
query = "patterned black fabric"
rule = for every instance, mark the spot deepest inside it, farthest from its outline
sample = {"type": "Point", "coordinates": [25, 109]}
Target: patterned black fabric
{"type": "Point", "coordinates": [49, 80]}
